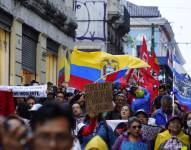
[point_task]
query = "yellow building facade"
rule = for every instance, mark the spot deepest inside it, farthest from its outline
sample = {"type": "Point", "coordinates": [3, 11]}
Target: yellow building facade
{"type": "Point", "coordinates": [11, 71]}
{"type": "Point", "coordinates": [4, 56]}
{"type": "Point", "coordinates": [30, 47]}
{"type": "Point", "coordinates": [33, 40]}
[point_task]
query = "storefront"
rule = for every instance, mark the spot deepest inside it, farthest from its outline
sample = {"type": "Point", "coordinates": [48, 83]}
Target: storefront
{"type": "Point", "coordinates": [5, 28]}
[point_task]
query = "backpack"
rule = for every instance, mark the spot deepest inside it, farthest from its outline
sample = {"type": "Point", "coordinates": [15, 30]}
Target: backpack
{"type": "Point", "coordinates": [172, 144]}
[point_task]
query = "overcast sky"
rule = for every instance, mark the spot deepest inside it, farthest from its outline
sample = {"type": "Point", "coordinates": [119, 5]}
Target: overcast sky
{"type": "Point", "coordinates": [178, 12]}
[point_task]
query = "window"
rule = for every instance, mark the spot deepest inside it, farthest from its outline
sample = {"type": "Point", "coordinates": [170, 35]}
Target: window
{"type": "Point", "coordinates": [52, 61]}
{"type": "Point", "coordinates": [4, 57]}
{"type": "Point", "coordinates": [29, 46]}
{"type": "Point", "coordinates": [51, 68]}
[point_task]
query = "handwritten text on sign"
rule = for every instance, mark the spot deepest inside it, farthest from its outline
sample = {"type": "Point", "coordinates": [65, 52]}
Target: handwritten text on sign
{"type": "Point", "coordinates": [99, 98]}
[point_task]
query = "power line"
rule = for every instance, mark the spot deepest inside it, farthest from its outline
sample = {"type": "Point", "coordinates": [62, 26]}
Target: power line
{"type": "Point", "coordinates": [185, 8]}
{"type": "Point", "coordinates": [147, 20]}
{"type": "Point", "coordinates": [184, 43]}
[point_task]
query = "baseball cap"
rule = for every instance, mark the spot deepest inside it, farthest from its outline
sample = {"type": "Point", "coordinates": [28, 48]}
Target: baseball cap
{"type": "Point", "coordinates": [35, 107]}
{"type": "Point", "coordinates": [141, 111]}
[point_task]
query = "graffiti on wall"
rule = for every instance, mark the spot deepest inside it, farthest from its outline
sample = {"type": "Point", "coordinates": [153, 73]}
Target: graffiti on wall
{"type": "Point", "coordinates": [91, 17]}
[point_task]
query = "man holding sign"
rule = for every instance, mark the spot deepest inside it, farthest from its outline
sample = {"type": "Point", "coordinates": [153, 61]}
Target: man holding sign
{"type": "Point", "coordinates": [98, 100]}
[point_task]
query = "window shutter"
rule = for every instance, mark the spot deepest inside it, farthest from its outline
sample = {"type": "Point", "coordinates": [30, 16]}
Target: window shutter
{"type": "Point", "coordinates": [29, 46]}
{"type": "Point", "coordinates": [5, 20]}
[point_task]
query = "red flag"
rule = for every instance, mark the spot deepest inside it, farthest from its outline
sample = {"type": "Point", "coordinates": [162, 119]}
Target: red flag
{"type": "Point", "coordinates": [145, 73]}
{"type": "Point", "coordinates": [154, 63]}
{"type": "Point", "coordinates": [129, 73]}
{"type": "Point", "coordinates": [123, 82]}
{"type": "Point", "coordinates": [132, 73]}
{"type": "Point", "coordinates": [144, 54]}
{"type": "Point", "coordinates": [7, 106]}
{"type": "Point", "coordinates": [147, 77]}
{"type": "Point", "coordinates": [135, 76]}
{"type": "Point", "coordinates": [148, 81]}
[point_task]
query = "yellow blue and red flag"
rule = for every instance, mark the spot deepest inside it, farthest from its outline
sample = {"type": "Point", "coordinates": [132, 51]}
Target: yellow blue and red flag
{"type": "Point", "coordinates": [64, 68]}
{"type": "Point", "coordinates": [89, 67]}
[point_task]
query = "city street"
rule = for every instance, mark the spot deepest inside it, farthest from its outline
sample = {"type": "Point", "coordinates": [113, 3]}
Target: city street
{"type": "Point", "coordinates": [95, 75]}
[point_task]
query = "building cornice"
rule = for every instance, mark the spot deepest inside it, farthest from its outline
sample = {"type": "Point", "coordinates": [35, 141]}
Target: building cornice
{"type": "Point", "coordinates": [49, 12]}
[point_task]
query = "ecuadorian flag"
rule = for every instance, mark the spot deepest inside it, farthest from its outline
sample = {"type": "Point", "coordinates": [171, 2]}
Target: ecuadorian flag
{"type": "Point", "coordinates": [88, 67]}
{"type": "Point", "coordinates": [85, 68]}
{"type": "Point", "coordinates": [64, 68]}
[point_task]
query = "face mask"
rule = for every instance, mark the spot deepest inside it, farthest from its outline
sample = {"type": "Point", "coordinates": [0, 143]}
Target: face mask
{"type": "Point", "coordinates": [189, 123]}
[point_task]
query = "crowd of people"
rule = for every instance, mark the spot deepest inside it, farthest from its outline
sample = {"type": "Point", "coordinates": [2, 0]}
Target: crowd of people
{"type": "Point", "coordinates": [60, 122]}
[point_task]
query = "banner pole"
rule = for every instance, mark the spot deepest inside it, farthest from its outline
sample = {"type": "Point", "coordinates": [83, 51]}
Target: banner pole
{"type": "Point", "coordinates": [173, 105]}
{"type": "Point", "coordinates": [173, 80]}
{"type": "Point", "coordinates": [106, 75]}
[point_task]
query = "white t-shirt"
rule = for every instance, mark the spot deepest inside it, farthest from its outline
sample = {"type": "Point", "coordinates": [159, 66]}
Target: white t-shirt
{"type": "Point", "coordinates": [76, 145]}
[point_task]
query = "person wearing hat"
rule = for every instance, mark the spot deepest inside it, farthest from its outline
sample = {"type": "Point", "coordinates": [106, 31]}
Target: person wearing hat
{"type": "Point", "coordinates": [96, 143]}
{"type": "Point", "coordinates": [142, 116]}
{"type": "Point", "coordinates": [173, 137]}
{"type": "Point", "coordinates": [35, 107]}
{"type": "Point", "coordinates": [142, 100]}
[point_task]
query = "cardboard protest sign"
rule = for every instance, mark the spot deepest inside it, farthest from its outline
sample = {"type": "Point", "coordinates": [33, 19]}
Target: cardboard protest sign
{"type": "Point", "coordinates": [99, 98]}
{"type": "Point", "coordinates": [150, 132]}
{"type": "Point", "coordinates": [25, 91]}
{"type": "Point", "coordinates": [134, 146]}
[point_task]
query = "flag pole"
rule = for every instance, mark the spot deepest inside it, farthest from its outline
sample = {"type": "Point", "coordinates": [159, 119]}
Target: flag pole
{"type": "Point", "coordinates": [173, 104]}
{"type": "Point", "coordinates": [105, 76]}
{"type": "Point", "coordinates": [173, 79]}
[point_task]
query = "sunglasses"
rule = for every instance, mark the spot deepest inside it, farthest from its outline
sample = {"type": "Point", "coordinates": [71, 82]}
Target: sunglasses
{"type": "Point", "coordinates": [137, 127]}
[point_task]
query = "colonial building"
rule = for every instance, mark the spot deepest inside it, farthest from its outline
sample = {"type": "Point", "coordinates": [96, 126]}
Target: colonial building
{"type": "Point", "coordinates": [34, 34]}
{"type": "Point", "coordinates": [147, 21]}
{"type": "Point", "coordinates": [101, 25]}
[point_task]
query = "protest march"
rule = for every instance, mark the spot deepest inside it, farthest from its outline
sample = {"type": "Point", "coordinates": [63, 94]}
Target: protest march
{"type": "Point", "coordinates": [95, 75]}
{"type": "Point", "coordinates": [95, 110]}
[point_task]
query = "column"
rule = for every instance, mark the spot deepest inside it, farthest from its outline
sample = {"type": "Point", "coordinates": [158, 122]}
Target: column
{"type": "Point", "coordinates": [41, 59]}
{"type": "Point", "coordinates": [16, 53]}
